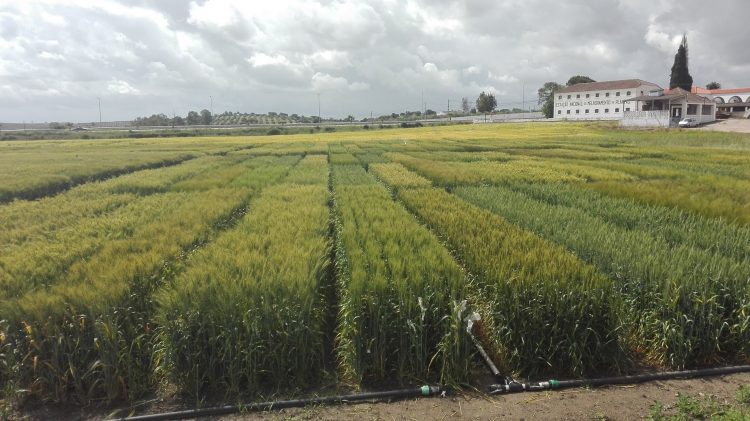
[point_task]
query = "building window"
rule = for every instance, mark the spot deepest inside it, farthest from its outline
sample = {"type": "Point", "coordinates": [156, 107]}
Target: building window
{"type": "Point", "coordinates": [692, 109]}
{"type": "Point", "coordinates": [567, 112]}
{"type": "Point", "coordinates": [568, 96]}
{"type": "Point", "coordinates": [587, 111]}
{"type": "Point", "coordinates": [606, 94]}
{"type": "Point", "coordinates": [578, 96]}
{"type": "Point", "coordinates": [628, 94]}
{"type": "Point", "coordinates": [559, 97]}
{"type": "Point", "coordinates": [606, 110]}
{"type": "Point", "coordinates": [627, 109]}
{"type": "Point", "coordinates": [617, 93]}
{"type": "Point", "coordinates": [559, 112]}
{"type": "Point", "coordinates": [706, 110]}
{"type": "Point", "coordinates": [597, 94]}
{"type": "Point", "coordinates": [588, 95]}
{"type": "Point", "coordinates": [596, 111]}
{"type": "Point", "coordinates": [617, 110]}
{"type": "Point", "coordinates": [578, 111]}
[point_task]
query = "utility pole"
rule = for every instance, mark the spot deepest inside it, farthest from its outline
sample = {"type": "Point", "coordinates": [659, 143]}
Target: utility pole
{"type": "Point", "coordinates": [212, 104]}
{"type": "Point", "coordinates": [449, 110]}
{"type": "Point", "coordinates": [422, 102]}
{"type": "Point", "coordinates": [100, 110]}
{"type": "Point", "coordinates": [523, 104]}
{"type": "Point", "coordinates": [319, 120]}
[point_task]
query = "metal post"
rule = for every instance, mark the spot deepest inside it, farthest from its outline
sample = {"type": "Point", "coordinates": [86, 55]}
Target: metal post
{"type": "Point", "coordinates": [100, 110]}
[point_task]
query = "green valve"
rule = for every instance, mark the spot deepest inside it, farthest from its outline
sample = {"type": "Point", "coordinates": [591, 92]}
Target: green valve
{"type": "Point", "coordinates": [426, 390]}
{"type": "Point", "coordinates": [554, 384]}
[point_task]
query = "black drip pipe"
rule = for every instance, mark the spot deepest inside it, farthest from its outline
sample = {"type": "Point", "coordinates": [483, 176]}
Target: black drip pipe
{"type": "Point", "coordinates": [295, 403]}
{"type": "Point", "coordinates": [515, 387]}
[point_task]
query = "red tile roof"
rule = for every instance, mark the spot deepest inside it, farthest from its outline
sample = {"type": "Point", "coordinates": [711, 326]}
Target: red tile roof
{"type": "Point", "coordinates": [605, 86]}
{"type": "Point", "coordinates": [730, 91]}
{"type": "Point", "coordinates": [699, 90]}
{"type": "Point", "coordinates": [676, 93]}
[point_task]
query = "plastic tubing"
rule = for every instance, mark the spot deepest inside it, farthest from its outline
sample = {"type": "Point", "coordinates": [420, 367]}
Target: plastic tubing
{"type": "Point", "coordinates": [266, 406]}
{"type": "Point", "coordinates": [515, 387]}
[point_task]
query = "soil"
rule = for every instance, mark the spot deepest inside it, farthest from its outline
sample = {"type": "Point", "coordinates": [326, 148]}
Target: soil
{"type": "Point", "coordinates": [631, 402]}
{"type": "Point", "coordinates": [737, 125]}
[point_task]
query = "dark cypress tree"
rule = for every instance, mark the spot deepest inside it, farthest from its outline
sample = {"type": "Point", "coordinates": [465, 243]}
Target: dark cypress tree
{"type": "Point", "coordinates": [680, 77]}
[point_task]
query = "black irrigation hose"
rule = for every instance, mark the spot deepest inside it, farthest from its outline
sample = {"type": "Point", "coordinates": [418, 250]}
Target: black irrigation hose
{"type": "Point", "coordinates": [266, 406]}
{"type": "Point", "coordinates": [515, 387]}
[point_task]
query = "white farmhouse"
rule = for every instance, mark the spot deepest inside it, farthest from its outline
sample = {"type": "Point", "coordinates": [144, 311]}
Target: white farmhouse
{"type": "Point", "coordinates": [665, 108]}
{"type": "Point", "coordinates": [599, 100]}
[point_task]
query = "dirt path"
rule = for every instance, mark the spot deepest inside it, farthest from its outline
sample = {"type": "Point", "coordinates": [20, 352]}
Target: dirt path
{"type": "Point", "coordinates": [607, 403]}
{"type": "Point", "coordinates": [632, 402]}
{"type": "Point", "coordinates": [737, 125]}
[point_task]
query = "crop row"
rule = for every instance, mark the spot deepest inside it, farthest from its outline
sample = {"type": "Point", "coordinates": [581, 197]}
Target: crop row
{"type": "Point", "coordinates": [29, 176]}
{"type": "Point", "coordinates": [87, 334]}
{"type": "Point", "coordinates": [670, 224]}
{"type": "Point", "coordinates": [29, 220]}
{"type": "Point", "coordinates": [684, 304]}
{"type": "Point", "coordinates": [37, 252]}
{"type": "Point", "coordinates": [682, 278]}
{"type": "Point", "coordinates": [250, 310]}
{"type": "Point", "coordinates": [401, 293]}
{"type": "Point", "coordinates": [544, 308]}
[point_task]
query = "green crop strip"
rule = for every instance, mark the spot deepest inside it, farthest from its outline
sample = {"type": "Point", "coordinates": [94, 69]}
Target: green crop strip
{"type": "Point", "coordinates": [401, 293]}
{"type": "Point", "coordinates": [673, 225]}
{"type": "Point", "coordinates": [546, 310]}
{"type": "Point", "coordinates": [683, 305]}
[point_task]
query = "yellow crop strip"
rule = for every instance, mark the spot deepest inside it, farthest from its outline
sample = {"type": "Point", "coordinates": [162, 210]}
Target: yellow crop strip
{"type": "Point", "coordinates": [88, 335]}
{"type": "Point", "coordinates": [397, 175]}
{"type": "Point", "coordinates": [222, 319]}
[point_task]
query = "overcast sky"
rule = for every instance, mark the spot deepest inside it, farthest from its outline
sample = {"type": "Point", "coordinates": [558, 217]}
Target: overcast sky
{"type": "Point", "coordinates": [163, 56]}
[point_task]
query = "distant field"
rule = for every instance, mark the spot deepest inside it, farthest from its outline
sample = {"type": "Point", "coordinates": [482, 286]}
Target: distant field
{"type": "Point", "coordinates": [248, 265]}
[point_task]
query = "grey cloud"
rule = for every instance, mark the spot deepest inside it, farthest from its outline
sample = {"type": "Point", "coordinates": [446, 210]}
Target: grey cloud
{"type": "Point", "coordinates": [148, 56]}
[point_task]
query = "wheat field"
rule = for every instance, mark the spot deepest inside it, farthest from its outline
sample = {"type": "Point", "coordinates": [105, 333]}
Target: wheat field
{"type": "Point", "coordinates": [249, 266]}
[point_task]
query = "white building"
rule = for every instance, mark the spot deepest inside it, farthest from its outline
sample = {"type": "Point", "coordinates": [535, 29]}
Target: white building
{"type": "Point", "coordinates": [734, 102]}
{"type": "Point", "coordinates": [599, 100]}
{"type": "Point", "coordinates": [726, 96]}
{"type": "Point", "coordinates": [665, 108]}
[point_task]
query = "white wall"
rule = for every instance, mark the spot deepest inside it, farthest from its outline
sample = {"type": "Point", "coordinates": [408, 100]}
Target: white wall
{"type": "Point", "coordinates": [645, 119]}
{"type": "Point", "coordinates": [744, 96]}
{"type": "Point", "coordinates": [574, 108]}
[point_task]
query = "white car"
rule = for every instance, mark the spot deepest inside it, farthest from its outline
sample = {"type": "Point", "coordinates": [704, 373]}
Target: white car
{"type": "Point", "coordinates": [688, 122]}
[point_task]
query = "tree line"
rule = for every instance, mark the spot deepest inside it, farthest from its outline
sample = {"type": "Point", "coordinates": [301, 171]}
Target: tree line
{"type": "Point", "coordinates": [193, 118]}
